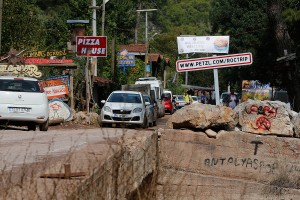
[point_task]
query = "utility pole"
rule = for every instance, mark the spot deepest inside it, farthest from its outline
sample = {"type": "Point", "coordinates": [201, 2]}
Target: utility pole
{"type": "Point", "coordinates": [103, 16]}
{"type": "Point", "coordinates": [1, 10]}
{"type": "Point", "coordinates": [146, 35]}
{"type": "Point", "coordinates": [94, 26]}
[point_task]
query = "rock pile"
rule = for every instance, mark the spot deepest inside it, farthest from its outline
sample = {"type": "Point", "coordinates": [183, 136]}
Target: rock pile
{"type": "Point", "coordinates": [85, 118]}
{"type": "Point", "coordinates": [254, 116]}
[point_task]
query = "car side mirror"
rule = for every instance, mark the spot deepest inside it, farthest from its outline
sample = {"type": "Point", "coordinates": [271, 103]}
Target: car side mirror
{"type": "Point", "coordinates": [147, 103]}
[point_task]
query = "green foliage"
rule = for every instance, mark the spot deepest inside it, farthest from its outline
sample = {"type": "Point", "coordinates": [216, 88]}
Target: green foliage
{"type": "Point", "coordinates": [188, 17]}
{"type": "Point", "coordinates": [175, 84]}
{"type": "Point", "coordinates": [247, 25]}
{"type": "Point", "coordinates": [21, 25]}
{"type": "Point", "coordinates": [41, 25]}
{"type": "Point", "coordinates": [131, 74]}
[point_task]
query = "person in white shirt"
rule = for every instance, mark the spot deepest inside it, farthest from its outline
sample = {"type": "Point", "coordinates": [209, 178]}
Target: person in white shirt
{"type": "Point", "coordinates": [233, 99]}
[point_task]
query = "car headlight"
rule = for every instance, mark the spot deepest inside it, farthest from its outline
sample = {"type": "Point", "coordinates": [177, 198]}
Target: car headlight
{"type": "Point", "coordinates": [137, 110]}
{"type": "Point", "coordinates": [106, 109]}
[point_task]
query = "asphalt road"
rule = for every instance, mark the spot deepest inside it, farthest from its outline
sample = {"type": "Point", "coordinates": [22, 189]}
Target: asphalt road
{"type": "Point", "coordinates": [19, 146]}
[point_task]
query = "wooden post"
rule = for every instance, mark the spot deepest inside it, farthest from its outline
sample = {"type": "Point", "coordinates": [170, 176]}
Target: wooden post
{"type": "Point", "coordinates": [87, 85]}
{"type": "Point", "coordinates": [72, 89]}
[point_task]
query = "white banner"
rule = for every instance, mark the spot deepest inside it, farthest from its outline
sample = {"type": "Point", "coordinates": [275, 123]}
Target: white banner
{"type": "Point", "coordinates": [203, 44]}
{"type": "Point", "coordinates": [232, 60]}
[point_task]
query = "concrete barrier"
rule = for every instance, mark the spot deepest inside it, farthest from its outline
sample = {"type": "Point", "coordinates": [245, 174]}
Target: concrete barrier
{"type": "Point", "coordinates": [123, 172]}
{"type": "Point", "coordinates": [235, 165]}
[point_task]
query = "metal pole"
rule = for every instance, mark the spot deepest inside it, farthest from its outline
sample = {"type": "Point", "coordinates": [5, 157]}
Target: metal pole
{"type": "Point", "coordinates": [94, 24]}
{"type": "Point", "coordinates": [146, 42]}
{"type": "Point", "coordinates": [146, 36]}
{"type": "Point", "coordinates": [103, 16]}
{"type": "Point", "coordinates": [216, 80]}
{"type": "Point", "coordinates": [1, 10]}
{"type": "Point", "coordinates": [186, 73]}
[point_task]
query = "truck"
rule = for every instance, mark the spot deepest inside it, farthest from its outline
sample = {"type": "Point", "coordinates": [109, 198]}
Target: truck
{"type": "Point", "coordinates": [156, 88]}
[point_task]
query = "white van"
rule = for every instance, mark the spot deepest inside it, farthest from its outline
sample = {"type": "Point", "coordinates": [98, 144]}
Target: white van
{"type": "Point", "coordinates": [157, 88]}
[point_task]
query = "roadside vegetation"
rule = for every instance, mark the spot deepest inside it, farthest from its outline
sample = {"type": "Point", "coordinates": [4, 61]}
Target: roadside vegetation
{"type": "Point", "coordinates": [41, 25]}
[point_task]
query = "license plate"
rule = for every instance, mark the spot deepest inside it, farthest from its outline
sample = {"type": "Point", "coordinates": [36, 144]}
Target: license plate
{"type": "Point", "coordinates": [19, 109]}
{"type": "Point", "coordinates": [120, 115]}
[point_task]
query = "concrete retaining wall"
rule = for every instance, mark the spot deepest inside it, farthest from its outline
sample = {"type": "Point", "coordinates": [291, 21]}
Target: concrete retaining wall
{"type": "Point", "coordinates": [123, 172]}
{"type": "Point", "coordinates": [236, 165]}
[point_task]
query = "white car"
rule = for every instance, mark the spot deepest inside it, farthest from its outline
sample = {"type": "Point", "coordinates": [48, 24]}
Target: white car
{"type": "Point", "coordinates": [195, 99]}
{"type": "Point", "coordinates": [124, 107]}
{"type": "Point", "coordinates": [22, 103]}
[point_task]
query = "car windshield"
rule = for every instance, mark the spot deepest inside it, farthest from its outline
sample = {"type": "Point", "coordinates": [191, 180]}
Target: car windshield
{"type": "Point", "coordinates": [147, 99]}
{"type": "Point", "coordinates": [125, 98]}
{"type": "Point", "coordinates": [19, 85]}
{"type": "Point", "coordinates": [179, 98]}
{"type": "Point", "coordinates": [166, 96]}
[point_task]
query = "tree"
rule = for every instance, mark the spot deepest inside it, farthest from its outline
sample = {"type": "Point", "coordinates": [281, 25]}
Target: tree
{"type": "Point", "coordinates": [284, 47]}
{"type": "Point", "coordinates": [21, 25]}
{"type": "Point", "coordinates": [247, 25]}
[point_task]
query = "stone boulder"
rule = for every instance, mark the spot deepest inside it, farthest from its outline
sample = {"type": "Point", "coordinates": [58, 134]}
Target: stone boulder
{"type": "Point", "coordinates": [264, 117]}
{"type": "Point", "coordinates": [202, 116]}
{"type": "Point", "coordinates": [296, 122]}
{"type": "Point", "coordinates": [85, 118]}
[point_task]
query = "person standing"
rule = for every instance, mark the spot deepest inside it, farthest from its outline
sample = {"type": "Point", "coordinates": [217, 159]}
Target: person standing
{"type": "Point", "coordinates": [187, 98]}
{"type": "Point", "coordinates": [233, 99]}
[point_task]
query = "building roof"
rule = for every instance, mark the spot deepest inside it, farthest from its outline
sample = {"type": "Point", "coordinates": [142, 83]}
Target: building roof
{"type": "Point", "coordinates": [154, 57]}
{"type": "Point", "coordinates": [134, 48]}
{"type": "Point", "coordinates": [140, 49]}
{"type": "Point", "coordinates": [101, 80]}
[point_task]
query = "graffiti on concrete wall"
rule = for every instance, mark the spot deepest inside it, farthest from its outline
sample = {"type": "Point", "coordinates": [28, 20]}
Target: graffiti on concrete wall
{"type": "Point", "coordinates": [265, 113]}
{"type": "Point", "coordinates": [255, 164]}
{"type": "Point", "coordinates": [251, 163]}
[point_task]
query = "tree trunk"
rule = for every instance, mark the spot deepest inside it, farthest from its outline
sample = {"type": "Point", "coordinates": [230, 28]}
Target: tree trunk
{"type": "Point", "coordinates": [283, 47]}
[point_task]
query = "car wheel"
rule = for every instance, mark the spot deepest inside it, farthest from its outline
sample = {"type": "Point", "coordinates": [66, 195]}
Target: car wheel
{"type": "Point", "coordinates": [31, 127]}
{"type": "Point", "coordinates": [44, 126]}
{"type": "Point", "coordinates": [154, 123]}
{"type": "Point", "coordinates": [145, 123]}
{"type": "Point", "coordinates": [150, 124]}
{"type": "Point", "coordinates": [172, 111]}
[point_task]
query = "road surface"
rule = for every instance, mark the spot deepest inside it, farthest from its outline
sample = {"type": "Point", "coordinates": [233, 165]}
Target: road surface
{"type": "Point", "coordinates": [19, 146]}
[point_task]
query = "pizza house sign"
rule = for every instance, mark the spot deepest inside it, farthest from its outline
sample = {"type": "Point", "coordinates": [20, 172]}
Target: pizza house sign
{"type": "Point", "coordinates": [91, 46]}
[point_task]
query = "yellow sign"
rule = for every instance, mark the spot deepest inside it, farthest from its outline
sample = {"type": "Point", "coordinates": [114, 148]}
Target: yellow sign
{"type": "Point", "coordinates": [43, 54]}
{"type": "Point", "coordinates": [26, 70]}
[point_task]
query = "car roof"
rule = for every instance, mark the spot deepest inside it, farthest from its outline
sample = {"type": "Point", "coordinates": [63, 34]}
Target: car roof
{"type": "Point", "coordinates": [17, 77]}
{"type": "Point", "coordinates": [126, 91]}
{"type": "Point", "coordinates": [229, 93]}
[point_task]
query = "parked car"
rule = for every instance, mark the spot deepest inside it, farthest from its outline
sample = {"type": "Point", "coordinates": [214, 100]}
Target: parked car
{"type": "Point", "coordinates": [195, 99]}
{"type": "Point", "coordinates": [178, 101]}
{"type": "Point", "coordinates": [124, 107]}
{"type": "Point", "coordinates": [151, 111]}
{"type": "Point", "coordinates": [22, 103]}
{"type": "Point", "coordinates": [167, 96]}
